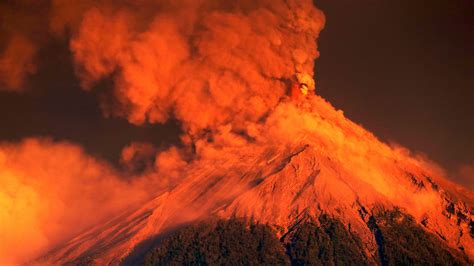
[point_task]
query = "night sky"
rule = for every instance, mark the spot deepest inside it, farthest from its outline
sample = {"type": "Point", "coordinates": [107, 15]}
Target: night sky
{"type": "Point", "coordinates": [402, 69]}
{"type": "Point", "coordinates": [405, 71]}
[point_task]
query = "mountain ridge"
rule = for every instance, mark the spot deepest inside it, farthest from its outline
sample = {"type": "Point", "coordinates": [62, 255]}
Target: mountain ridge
{"type": "Point", "coordinates": [306, 160]}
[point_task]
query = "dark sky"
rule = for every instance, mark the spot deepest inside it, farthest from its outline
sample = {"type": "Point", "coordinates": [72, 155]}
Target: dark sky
{"type": "Point", "coordinates": [403, 69]}
{"type": "Point", "coordinates": [55, 106]}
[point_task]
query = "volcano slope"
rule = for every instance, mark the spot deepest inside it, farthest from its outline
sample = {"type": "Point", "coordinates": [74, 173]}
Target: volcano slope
{"type": "Point", "coordinates": [305, 167]}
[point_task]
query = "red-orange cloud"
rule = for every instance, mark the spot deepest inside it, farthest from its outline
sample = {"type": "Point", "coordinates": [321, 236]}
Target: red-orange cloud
{"type": "Point", "coordinates": [207, 64]}
{"type": "Point", "coordinates": [50, 191]}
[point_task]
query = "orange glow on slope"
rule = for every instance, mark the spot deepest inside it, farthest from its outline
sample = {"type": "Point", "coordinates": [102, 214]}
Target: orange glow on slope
{"type": "Point", "coordinates": [306, 158]}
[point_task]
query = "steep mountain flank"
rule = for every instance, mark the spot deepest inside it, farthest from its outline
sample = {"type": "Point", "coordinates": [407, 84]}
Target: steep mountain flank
{"type": "Point", "coordinates": [309, 165]}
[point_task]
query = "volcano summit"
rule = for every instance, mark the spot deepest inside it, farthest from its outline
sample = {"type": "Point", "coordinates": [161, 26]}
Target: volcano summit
{"type": "Point", "coordinates": [307, 162]}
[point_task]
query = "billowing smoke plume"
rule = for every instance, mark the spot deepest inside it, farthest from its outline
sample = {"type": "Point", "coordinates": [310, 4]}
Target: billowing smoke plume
{"type": "Point", "coordinates": [219, 67]}
{"type": "Point", "coordinates": [207, 63]}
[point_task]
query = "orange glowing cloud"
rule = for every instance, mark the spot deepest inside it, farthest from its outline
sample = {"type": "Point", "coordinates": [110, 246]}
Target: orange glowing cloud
{"type": "Point", "coordinates": [50, 191]}
{"type": "Point", "coordinates": [208, 64]}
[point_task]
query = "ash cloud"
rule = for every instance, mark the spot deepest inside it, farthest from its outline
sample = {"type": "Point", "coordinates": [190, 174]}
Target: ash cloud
{"type": "Point", "coordinates": [50, 191]}
{"type": "Point", "coordinates": [208, 64]}
{"type": "Point", "coordinates": [217, 67]}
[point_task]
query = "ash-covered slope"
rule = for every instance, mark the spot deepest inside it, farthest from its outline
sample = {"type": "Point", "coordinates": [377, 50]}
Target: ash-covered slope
{"type": "Point", "coordinates": [305, 160]}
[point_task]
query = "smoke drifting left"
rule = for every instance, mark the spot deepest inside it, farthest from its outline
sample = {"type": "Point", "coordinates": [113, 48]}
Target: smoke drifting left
{"type": "Point", "coordinates": [53, 105]}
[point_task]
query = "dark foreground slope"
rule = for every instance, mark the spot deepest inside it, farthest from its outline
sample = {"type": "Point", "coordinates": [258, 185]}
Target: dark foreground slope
{"type": "Point", "coordinates": [325, 241]}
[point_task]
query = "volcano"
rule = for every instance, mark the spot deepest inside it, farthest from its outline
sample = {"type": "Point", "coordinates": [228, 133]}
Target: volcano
{"type": "Point", "coordinates": [330, 167]}
{"type": "Point", "coordinates": [259, 169]}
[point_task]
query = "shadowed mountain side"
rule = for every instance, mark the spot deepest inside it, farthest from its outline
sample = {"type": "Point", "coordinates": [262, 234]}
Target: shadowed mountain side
{"type": "Point", "coordinates": [324, 241]}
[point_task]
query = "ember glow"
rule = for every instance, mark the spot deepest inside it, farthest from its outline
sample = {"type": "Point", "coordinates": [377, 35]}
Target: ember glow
{"type": "Point", "coordinates": [237, 77]}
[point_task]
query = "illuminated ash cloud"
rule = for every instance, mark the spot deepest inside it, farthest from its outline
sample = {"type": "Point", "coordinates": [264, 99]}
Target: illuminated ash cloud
{"type": "Point", "coordinates": [216, 66]}
{"type": "Point", "coordinates": [207, 63]}
{"type": "Point", "coordinates": [50, 191]}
